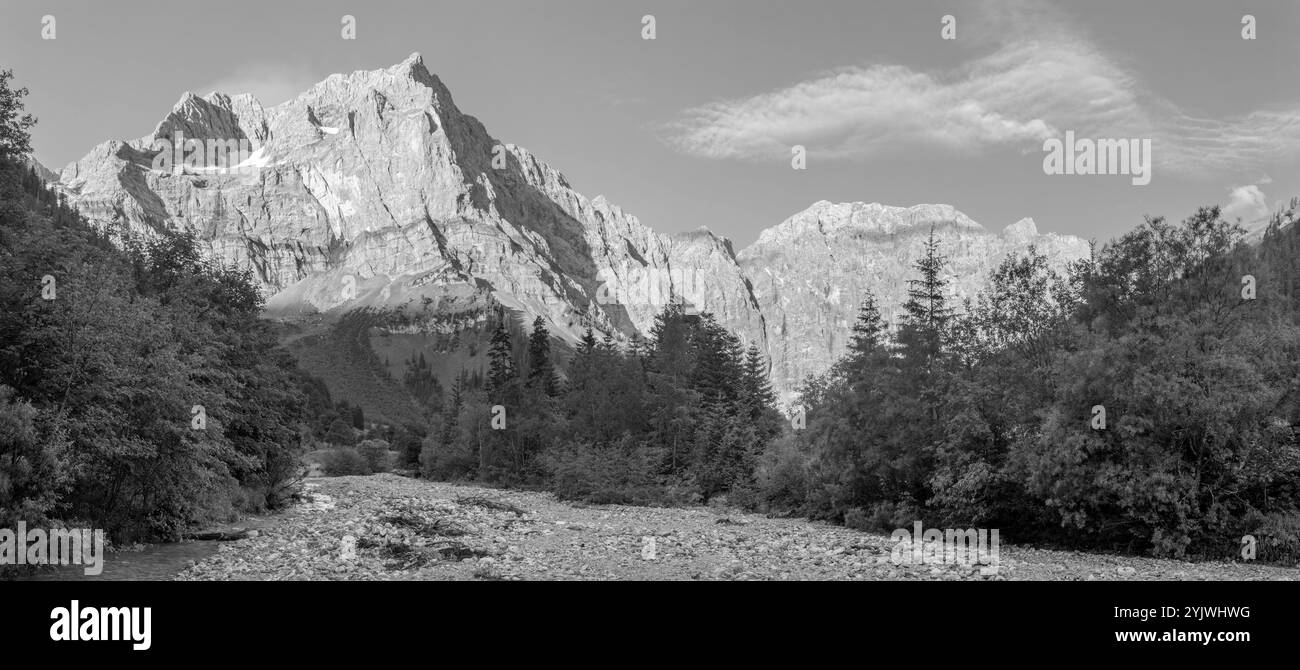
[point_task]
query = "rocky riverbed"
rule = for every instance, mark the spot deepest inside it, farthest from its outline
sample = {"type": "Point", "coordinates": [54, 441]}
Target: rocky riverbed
{"type": "Point", "coordinates": [386, 527]}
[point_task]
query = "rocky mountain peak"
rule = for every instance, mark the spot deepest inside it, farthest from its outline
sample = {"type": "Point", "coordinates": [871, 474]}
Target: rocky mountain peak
{"type": "Point", "coordinates": [372, 190]}
{"type": "Point", "coordinates": [413, 65]}
{"type": "Point", "coordinates": [825, 218]}
{"type": "Point", "coordinates": [195, 117]}
{"type": "Point", "coordinates": [1024, 229]}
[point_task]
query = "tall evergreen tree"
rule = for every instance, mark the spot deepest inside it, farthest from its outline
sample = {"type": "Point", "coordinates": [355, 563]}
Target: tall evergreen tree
{"type": "Point", "coordinates": [926, 316]}
{"type": "Point", "coordinates": [670, 349]}
{"type": "Point", "coordinates": [718, 362]}
{"type": "Point", "coordinates": [926, 304]}
{"type": "Point", "coordinates": [501, 366]}
{"type": "Point", "coordinates": [759, 401]}
{"type": "Point", "coordinates": [869, 329]}
{"type": "Point", "coordinates": [639, 348]}
{"type": "Point", "coordinates": [455, 401]}
{"type": "Point", "coordinates": [758, 393]}
{"type": "Point", "coordinates": [541, 370]}
{"type": "Point", "coordinates": [868, 339]}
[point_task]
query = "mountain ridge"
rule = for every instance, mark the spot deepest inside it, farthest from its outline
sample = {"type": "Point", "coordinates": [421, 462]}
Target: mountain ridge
{"type": "Point", "coordinates": [373, 189]}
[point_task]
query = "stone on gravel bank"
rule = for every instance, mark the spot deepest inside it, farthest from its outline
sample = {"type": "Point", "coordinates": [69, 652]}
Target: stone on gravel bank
{"type": "Point", "coordinates": [407, 529]}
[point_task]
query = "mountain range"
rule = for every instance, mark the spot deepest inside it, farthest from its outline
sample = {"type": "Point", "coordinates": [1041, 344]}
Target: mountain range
{"type": "Point", "coordinates": [373, 190]}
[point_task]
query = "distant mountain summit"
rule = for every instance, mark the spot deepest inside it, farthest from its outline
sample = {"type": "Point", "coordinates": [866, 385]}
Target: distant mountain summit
{"type": "Point", "coordinates": [810, 273]}
{"type": "Point", "coordinates": [372, 189]}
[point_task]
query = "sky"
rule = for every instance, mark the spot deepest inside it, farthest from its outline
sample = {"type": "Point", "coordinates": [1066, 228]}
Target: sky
{"type": "Point", "coordinates": [696, 127]}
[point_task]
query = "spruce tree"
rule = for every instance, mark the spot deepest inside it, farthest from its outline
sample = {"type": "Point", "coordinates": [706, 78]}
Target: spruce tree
{"type": "Point", "coordinates": [454, 404]}
{"type": "Point", "coordinates": [718, 362]}
{"type": "Point", "coordinates": [926, 313]}
{"type": "Point", "coordinates": [868, 339]}
{"type": "Point", "coordinates": [640, 350]}
{"type": "Point", "coordinates": [670, 347]}
{"type": "Point", "coordinates": [758, 393]}
{"type": "Point", "coordinates": [501, 368]}
{"type": "Point", "coordinates": [541, 370]}
{"type": "Point", "coordinates": [868, 330]}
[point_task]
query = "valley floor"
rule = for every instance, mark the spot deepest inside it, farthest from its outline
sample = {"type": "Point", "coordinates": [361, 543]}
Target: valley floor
{"type": "Point", "coordinates": [407, 529]}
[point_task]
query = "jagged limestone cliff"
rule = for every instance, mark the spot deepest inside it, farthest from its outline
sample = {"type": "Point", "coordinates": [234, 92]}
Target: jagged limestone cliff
{"type": "Point", "coordinates": [373, 189]}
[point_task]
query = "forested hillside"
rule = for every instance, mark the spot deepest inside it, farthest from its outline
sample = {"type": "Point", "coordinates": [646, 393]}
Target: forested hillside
{"type": "Point", "coordinates": [139, 390]}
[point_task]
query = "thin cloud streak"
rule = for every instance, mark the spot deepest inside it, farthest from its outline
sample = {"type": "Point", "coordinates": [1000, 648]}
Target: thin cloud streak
{"type": "Point", "coordinates": [270, 83]}
{"type": "Point", "coordinates": [1037, 85]}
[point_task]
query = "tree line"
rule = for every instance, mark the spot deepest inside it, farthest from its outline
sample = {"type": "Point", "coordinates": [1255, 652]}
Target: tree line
{"type": "Point", "coordinates": [681, 416]}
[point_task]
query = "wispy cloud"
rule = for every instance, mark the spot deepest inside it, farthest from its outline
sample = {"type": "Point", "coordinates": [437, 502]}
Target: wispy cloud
{"type": "Point", "coordinates": [270, 83]}
{"type": "Point", "coordinates": [1036, 79]}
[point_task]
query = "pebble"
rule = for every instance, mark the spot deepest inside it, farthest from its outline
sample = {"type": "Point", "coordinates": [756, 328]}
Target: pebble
{"type": "Point", "coordinates": [307, 542]}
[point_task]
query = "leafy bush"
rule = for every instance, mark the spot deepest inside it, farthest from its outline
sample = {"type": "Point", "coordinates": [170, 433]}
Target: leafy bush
{"type": "Point", "coordinates": [617, 473]}
{"type": "Point", "coordinates": [376, 454]}
{"type": "Point", "coordinates": [341, 433]}
{"type": "Point", "coordinates": [783, 478]}
{"type": "Point", "coordinates": [34, 470]}
{"type": "Point", "coordinates": [1198, 407]}
{"type": "Point", "coordinates": [858, 519]}
{"type": "Point", "coordinates": [344, 461]}
{"type": "Point", "coordinates": [409, 445]}
{"type": "Point", "coordinates": [447, 461]}
{"type": "Point", "coordinates": [1277, 537]}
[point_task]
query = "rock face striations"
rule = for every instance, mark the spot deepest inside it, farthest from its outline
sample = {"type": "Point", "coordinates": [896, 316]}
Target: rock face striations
{"type": "Point", "coordinates": [372, 189]}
